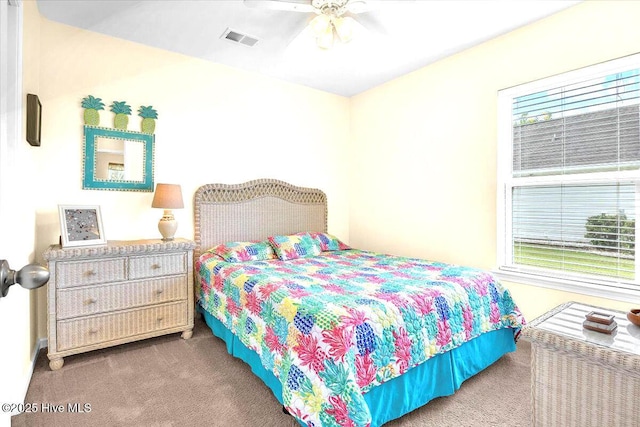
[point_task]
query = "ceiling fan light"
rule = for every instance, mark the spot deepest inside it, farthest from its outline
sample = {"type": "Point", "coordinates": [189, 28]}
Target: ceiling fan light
{"type": "Point", "coordinates": [320, 24]}
{"type": "Point", "coordinates": [325, 40]}
{"type": "Point", "coordinates": [344, 28]}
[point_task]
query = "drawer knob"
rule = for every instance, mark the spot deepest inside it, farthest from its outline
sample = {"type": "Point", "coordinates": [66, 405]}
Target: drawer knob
{"type": "Point", "coordinates": [92, 300]}
{"type": "Point", "coordinates": [155, 266]}
{"type": "Point", "coordinates": [91, 273]}
{"type": "Point", "coordinates": [159, 291]}
{"type": "Point", "coordinates": [160, 318]}
{"type": "Point", "coordinates": [93, 331]}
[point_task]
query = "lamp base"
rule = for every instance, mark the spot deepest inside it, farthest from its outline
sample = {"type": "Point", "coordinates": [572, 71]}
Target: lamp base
{"type": "Point", "coordinates": [167, 225]}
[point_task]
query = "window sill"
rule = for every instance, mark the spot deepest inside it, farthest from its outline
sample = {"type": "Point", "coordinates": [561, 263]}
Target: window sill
{"type": "Point", "coordinates": [569, 285]}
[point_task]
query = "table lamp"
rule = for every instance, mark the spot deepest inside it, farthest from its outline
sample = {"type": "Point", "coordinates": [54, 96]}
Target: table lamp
{"type": "Point", "coordinates": [167, 197]}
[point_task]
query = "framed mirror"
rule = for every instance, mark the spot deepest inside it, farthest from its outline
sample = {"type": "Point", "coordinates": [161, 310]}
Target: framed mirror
{"type": "Point", "coordinates": [116, 159]}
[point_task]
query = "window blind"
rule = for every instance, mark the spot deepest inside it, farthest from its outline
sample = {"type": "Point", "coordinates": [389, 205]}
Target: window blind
{"type": "Point", "coordinates": [586, 229]}
{"type": "Point", "coordinates": [573, 209]}
{"type": "Point", "coordinates": [589, 126]}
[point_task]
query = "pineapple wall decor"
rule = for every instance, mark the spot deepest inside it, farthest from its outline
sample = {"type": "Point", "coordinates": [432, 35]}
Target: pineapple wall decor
{"type": "Point", "coordinates": [122, 111]}
{"type": "Point", "coordinates": [91, 106]}
{"type": "Point", "coordinates": [149, 116]}
{"type": "Point", "coordinates": [132, 151]}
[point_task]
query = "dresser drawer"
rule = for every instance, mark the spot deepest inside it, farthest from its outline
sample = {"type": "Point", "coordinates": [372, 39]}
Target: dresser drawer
{"type": "Point", "coordinates": [109, 327]}
{"type": "Point", "coordinates": [89, 272]}
{"type": "Point", "coordinates": [102, 298]}
{"type": "Point", "coordinates": [157, 265]}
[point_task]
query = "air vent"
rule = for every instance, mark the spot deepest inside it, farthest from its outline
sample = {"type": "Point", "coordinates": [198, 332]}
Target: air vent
{"type": "Point", "coordinates": [238, 37]}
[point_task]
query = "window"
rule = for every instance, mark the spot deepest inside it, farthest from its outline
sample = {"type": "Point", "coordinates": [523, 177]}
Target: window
{"type": "Point", "coordinates": [568, 180]}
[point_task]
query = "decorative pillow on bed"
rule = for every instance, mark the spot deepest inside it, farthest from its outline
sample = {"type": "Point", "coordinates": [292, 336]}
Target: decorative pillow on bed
{"type": "Point", "coordinates": [244, 251]}
{"type": "Point", "coordinates": [295, 246]}
{"type": "Point", "coordinates": [327, 242]}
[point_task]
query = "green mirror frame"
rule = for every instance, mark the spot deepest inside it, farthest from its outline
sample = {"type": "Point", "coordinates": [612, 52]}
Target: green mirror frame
{"type": "Point", "coordinates": [91, 180]}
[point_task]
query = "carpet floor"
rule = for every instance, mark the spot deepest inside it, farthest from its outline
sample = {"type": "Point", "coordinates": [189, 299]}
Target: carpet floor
{"type": "Point", "coordinates": [168, 381]}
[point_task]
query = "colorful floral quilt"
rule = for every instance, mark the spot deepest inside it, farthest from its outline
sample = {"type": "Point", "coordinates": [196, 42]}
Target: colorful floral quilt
{"type": "Point", "coordinates": [333, 326]}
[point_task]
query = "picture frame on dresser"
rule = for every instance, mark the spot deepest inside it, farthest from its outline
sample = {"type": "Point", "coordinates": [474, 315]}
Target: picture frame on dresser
{"type": "Point", "coordinates": [81, 225]}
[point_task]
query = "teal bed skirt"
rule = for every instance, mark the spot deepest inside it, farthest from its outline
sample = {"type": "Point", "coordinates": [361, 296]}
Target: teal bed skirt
{"type": "Point", "coordinates": [439, 376]}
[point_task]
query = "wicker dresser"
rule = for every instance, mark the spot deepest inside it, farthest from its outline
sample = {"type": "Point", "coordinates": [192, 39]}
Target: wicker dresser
{"type": "Point", "coordinates": [580, 377]}
{"type": "Point", "coordinates": [125, 291]}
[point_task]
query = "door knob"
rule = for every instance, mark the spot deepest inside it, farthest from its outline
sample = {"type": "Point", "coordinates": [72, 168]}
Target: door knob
{"type": "Point", "coordinates": [30, 276]}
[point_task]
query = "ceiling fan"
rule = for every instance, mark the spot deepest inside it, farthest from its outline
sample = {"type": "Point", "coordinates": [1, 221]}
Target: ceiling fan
{"type": "Point", "coordinates": [332, 21]}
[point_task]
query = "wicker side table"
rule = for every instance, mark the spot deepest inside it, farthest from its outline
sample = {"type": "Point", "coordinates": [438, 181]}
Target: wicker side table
{"type": "Point", "coordinates": [580, 377]}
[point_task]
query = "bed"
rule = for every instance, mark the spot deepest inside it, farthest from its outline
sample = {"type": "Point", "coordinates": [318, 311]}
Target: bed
{"type": "Point", "coordinates": [342, 337]}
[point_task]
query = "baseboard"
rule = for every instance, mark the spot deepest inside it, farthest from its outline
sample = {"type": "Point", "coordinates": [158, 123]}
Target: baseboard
{"type": "Point", "coordinates": [26, 381]}
{"type": "Point", "coordinates": [40, 344]}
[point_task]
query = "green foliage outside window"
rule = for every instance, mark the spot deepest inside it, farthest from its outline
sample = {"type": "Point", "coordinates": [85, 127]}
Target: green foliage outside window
{"type": "Point", "coordinates": [611, 232]}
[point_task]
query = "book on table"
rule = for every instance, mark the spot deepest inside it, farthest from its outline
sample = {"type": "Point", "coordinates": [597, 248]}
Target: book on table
{"type": "Point", "coordinates": [600, 327]}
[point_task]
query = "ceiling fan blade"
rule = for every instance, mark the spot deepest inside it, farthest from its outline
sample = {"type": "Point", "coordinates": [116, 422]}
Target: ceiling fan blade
{"type": "Point", "coordinates": [359, 6]}
{"type": "Point", "coordinates": [287, 5]}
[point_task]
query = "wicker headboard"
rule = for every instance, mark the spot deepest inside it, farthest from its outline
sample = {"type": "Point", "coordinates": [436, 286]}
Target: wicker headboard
{"type": "Point", "coordinates": [255, 210]}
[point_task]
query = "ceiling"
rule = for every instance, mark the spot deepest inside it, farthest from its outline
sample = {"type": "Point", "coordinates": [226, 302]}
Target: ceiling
{"type": "Point", "coordinates": [396, 37]}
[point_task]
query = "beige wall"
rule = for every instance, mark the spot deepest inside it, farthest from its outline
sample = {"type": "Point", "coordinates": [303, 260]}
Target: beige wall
{"type": "Point", "coordinates": [423, 150]}
{"type": "Point", "coordinates": [418, 176]}
{"type": "Point", "coordinates": [215, 124]}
